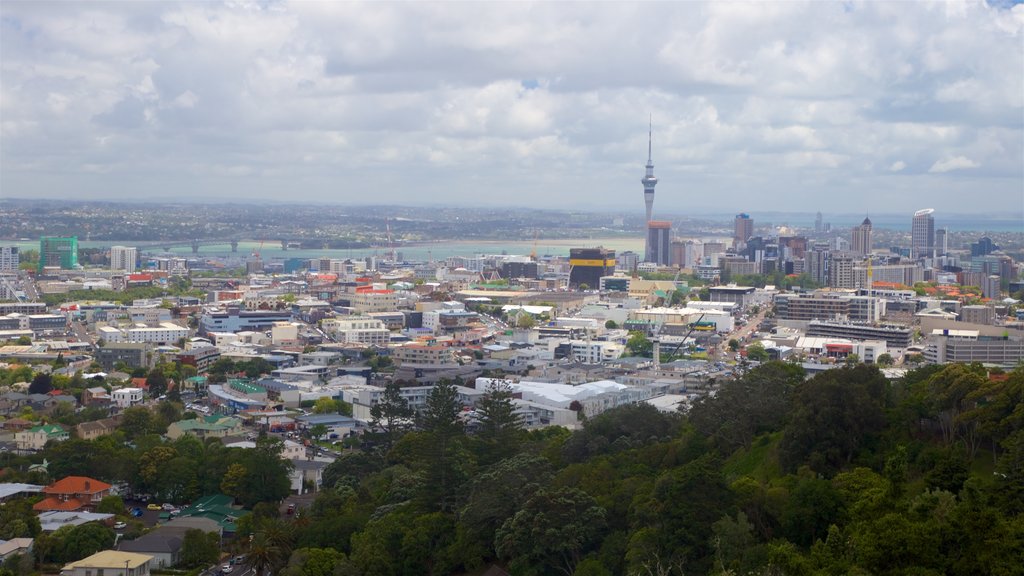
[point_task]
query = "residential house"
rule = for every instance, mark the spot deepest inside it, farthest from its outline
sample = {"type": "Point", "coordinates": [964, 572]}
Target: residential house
{"type": "Point", "coordinates": [96, 396]}
{"type": "Point", "coordinates": [73, 493]}
{"type": "Point", "coordinates": [35, 439]}
{"type": "Point", "coordinates": [109, 563]}
{"type": "Point", "coordinates": [97, 428]}
{"type": "Point", "coordinates": [163, 544]}
{"type": "Point", "coordinates": [16, 424]}
{"type": "Point", "coordinates": [15, 546]}
{"type": "Point", "coordinates": [213, 426]}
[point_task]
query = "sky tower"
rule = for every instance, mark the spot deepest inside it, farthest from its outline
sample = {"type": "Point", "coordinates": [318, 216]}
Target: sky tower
{"type": "Point", "coordinates": [649, 181]}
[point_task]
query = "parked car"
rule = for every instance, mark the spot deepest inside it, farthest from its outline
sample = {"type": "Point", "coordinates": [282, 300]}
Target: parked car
{"type": "Point", "coordinates": [136, 512]}
{"type": "Point", "coordinates": [166, 506]}
{"type": "Point", "coordinates": [153, 507]}
{"type": "Point", "coordinates": [120, 525]}
{"type": "Point", "coordinates": [226, 569]}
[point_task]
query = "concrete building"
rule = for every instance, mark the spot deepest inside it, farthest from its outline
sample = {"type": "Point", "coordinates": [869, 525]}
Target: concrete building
{"type": "Point", "coordinates": [861, 242]}
{"type": "Point", "coordinates": [127, 397]}
{"type": "Point", "coordinates": [357, 329]}
{"type": "Point", "coordinates": [990, 287]}
{"type": "Point", "coordinates": [922, 234]}
{"type": "Point", "coordinates": [743, 229]}
{"type": "Point", "coordinates": [235, 320]}
{"type": "Point", "coordinates": [588, 265]}
{"type": "Point", "coordinates": [894, 336]}
{"type": "Point", "coordinates": [828, 306]}
{"type": "Point", "coordinates": [970, 346]}
{"type": "Point", "coordinates": [978, 314]}
{"type": "Point", "coordinates": [816, 265]}
{"type": "Point", "coordinates": [840, 271]}
{"type": "Point", "coordinates": [743, 296]}
{"type": "Point", "coordinates": [166, 333]}
{"type": "Point", "coordinates": [123, 258]}
{"type": "Point", "coordinates": [9, 259]}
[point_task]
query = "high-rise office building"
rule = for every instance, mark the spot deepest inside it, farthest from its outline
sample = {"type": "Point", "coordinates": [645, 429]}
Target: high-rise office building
{"type": "Point", "coordinates": [922, 234]}
{"type": "Point", "coordinates": [743, 229]}
{"type": "Point", "coordinates": [649, 181]}
{"type": "Point", "coordinates": [588, 265]}
{"type": "Point", "coordinates": [816, 266]}
{"type": "Point", "coordinates": [817, 223]}
{"type": "Point", "coordinates": [861, 241]}
{"type": "Point", "coordinates": [123, 258]}
{"type": "Point", "coordinates": [659, 240]}
{"type": "Point", "coordinates": [58, 252]}
{"type": "Point", "coordinates": [942, 241]}
{"type": "Point", "coordinates": [9, 258]}
{"type": "Point", "coordinates": [983, 247]}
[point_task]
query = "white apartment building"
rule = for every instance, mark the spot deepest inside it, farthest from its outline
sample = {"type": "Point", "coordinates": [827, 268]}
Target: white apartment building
{"type": "Point", "coordinates": [593, 352]}
{"type": "Point", "coordinates": [123, 258]}
{"type": "Point", "coordinates": [358, 329]}
{"type": "Point", "coordinates": [165, 333]}
{"type": "Point", "coordinates": [127, 397]}
{"type": "Point", "coordinates": [9, 259]}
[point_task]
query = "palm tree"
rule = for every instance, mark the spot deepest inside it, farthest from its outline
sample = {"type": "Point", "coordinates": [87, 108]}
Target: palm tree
{"type": "Point", "coordinates": [270, 548]}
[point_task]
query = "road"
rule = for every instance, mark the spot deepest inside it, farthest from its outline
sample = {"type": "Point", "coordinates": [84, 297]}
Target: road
{"type": "Point", "coordinates": [743, 332]}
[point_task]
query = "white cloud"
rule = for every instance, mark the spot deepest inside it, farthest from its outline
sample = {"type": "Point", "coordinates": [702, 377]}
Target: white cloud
{"type": "Point", "coordinates": [954, 163]}
{"type": "Point", "coordinates": [769, 103]}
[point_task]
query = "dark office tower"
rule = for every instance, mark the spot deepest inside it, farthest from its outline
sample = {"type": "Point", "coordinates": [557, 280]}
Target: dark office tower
{"type": "Point", "coordinates": [588, 265]}
{"type": "Point", "coordinates": [817, 223]}
{"type": "Point", "coordinates": [744, 229]}
{"type": "Point", "coordinates": [922, 234]}
{"type": "Point", "coordinates": [942, 241]}
{"type": "Point", "coordinates": [659, 242]}
{"type": "Point", "coordinates": [983, 247]}
{"type": "Point", "coordinates": [649, 181]}
{"type": "Point", "coordinates": [861, 240]}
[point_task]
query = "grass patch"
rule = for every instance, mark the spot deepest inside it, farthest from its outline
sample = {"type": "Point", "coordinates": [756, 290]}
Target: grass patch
{"type": "Point", "coordinates": [760, 461]}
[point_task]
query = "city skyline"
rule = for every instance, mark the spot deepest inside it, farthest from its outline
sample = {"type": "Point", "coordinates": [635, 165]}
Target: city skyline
{"type": "Point", "coordinates": [517, 103]}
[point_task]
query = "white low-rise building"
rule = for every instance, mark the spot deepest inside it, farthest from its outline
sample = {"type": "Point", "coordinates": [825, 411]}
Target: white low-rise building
{"type": "Point", "coordinates": [127, 397]}
{"type": "Point", "coordinates": [165, 333]}
{"type": "Point", "coordinates": [358, 329]}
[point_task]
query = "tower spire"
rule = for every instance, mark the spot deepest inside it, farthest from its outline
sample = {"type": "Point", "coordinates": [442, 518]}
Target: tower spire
{"type": "Point", "coordinates": [649, 181]}
{"type": "Point", "coordinates": [650, 136]}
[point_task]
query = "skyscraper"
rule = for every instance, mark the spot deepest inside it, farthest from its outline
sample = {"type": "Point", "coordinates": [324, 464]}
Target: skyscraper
{"type": "Point", "coordinates": [861, 241]}
{"type": "Point", "coordinates": [649, 181]}
{"type": "Point", "coordinates": [922, 234]}
{"type": "Point", "coordinates": [659, 234]}
{"type": "Point", "coordinates": [744, 229]}
{"type": "Point", "coordinates": [123, 258]}
{"type": "Point", "coordinates": [817, 223]}
{"type": "Point", "coordinates": [58, 252]}
{"type": "Point", "coordinates": [942, 241]}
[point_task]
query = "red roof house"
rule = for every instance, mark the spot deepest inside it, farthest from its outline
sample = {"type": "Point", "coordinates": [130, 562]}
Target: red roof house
{"type": "Point", "coordinates": [72, 493]}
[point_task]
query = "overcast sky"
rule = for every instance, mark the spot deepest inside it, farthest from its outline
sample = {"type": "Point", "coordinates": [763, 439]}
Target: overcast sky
{"type": "Point", "coordinates": [874, 106]}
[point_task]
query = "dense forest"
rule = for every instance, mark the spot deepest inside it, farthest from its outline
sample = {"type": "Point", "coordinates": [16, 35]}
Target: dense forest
{"type": "Point", "coordinates": [843, 473]}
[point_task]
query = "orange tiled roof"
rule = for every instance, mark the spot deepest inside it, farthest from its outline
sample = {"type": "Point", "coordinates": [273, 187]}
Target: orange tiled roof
{"type": "Point", "coordinates": [76, 485]}
{"type": "Point", "coordinates": [51, 503]}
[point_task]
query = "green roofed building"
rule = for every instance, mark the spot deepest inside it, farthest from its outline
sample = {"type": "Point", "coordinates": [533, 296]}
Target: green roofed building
{"type": "Point", "coordinates": [58, 252]}
{"type": "Point", "coordinates": [213, 426]}
{"type": "Point", "coordinates": [217, 507]}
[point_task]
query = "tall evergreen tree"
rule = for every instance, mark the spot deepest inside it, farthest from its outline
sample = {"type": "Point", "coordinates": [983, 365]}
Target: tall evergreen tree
{"type": "Point", "coordinates": [391, 414]}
